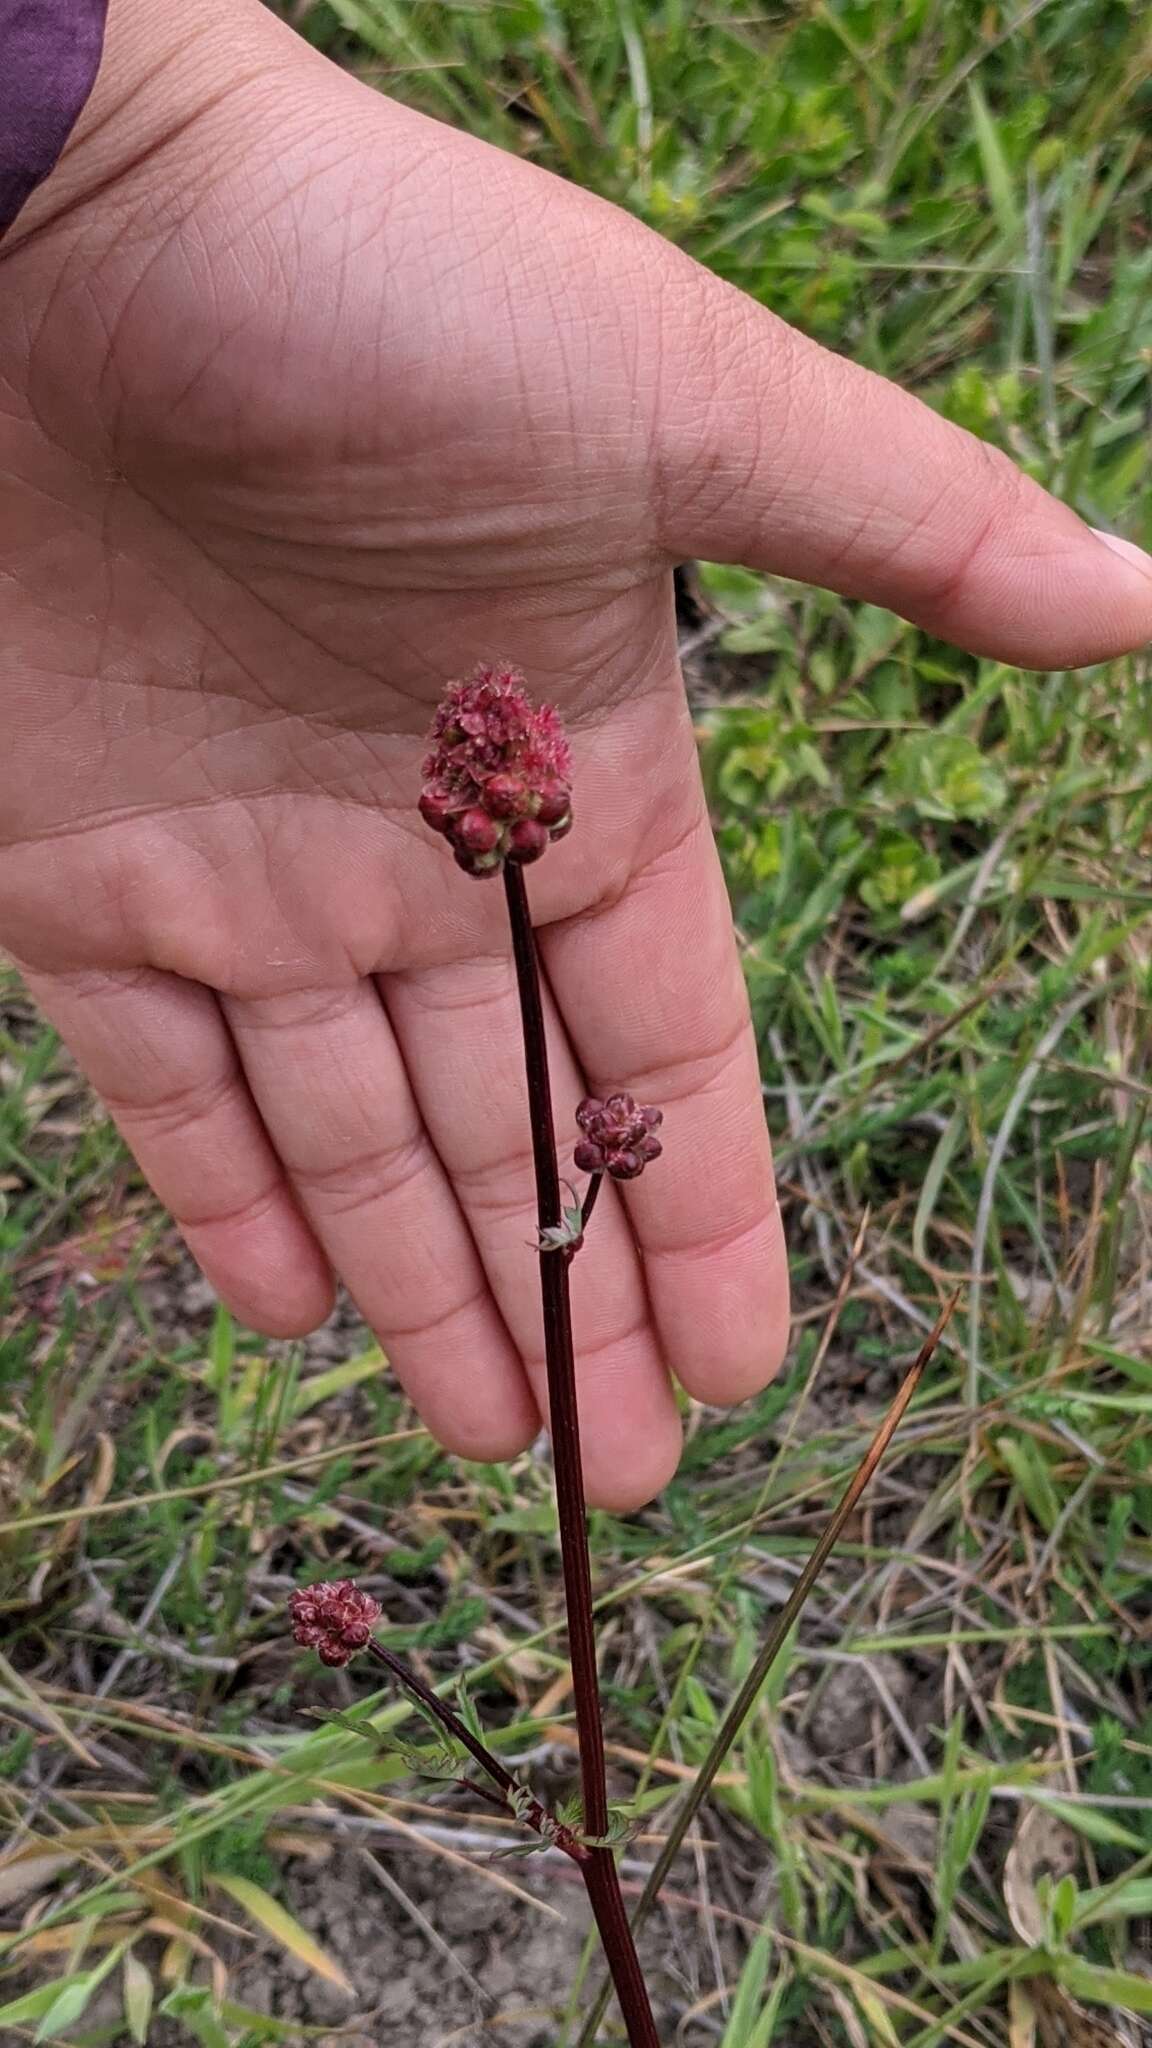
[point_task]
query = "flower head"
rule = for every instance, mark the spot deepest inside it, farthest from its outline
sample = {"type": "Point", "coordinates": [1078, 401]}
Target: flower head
{"type": "Point", "coordinates": [335, 1620]}
{"type": "Point", "coordinates": [617, 1137]}
{"type": "Point", "coordinates": [498, 773]}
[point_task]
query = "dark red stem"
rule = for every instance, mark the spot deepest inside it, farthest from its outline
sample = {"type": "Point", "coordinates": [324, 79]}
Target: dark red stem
{"type": "Point", "coordinates": [529, 1810]}
{"type": "Point", "coordinates": [600, 1874]}
{"type": "Point", "coordinates": [589, 1202]}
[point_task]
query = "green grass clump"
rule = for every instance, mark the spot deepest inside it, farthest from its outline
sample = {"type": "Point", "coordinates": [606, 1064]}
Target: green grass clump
{"type": "Point", "coordinates": [938, 1825]}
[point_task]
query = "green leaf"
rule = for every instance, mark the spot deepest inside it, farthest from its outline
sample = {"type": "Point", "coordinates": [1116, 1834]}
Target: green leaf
{"type": "Point", "coordinates": [275, 1919]}
{"type": "Point", "coordinates": [1102, 1986]}
{"type": "Point", "coordinates": [67, 2008]}
{"type": "Point", "coordinates": [1092, 1824]}
{"type": "Point", "coordinates": [733, 590]}
{"type": "Point", "coordinates": [322, 1385]}
{"type": "Point", "coordinates": [699, 1704]}
{"type": "Point", "coordinates": [1062, 1909]}
{"type": "Point", "coordinates": [945, 776]}
{"type": "Point", "coordinates": [1130, 1900]}
{"type": "Point", "coordinates": [747, 2004]}
{"type": "Point", "coordinates": [34, 2004]}
{"type": "Point", "coordinates": [221, 1351]}
{"type": "Point", "coordinates": [194, 2006]}
{"type": "Point", "coordinates": [466, 1708]}
{"type": "Point", "coordinates": [969, 401]}
{"type": "Point", "coordinates": [994, 163]}
{"type": "Point", "coordinates": [258, 2026]}
{"type": "Point", "coordinates": [137, 1998]}
{"type": "Point", "coordinates": [1026, 1463]}
{"type": "Point", "coordinates": [763, 1790]}
{"type": "Point", "coordinates": [538, 1518]}
{"type": "Point", "coordinates": [877, 2015]}
{"type": "Point", "coordinates": [754, 636]}
{"type": "Point", "coordinates": [898, 869]}
{"type": "Point", "coordinates": [935, 1177]}
{"type": "Point", "coordinates": [73, 1997]}
{"type": "Point", "coordinates": [752, 2024]}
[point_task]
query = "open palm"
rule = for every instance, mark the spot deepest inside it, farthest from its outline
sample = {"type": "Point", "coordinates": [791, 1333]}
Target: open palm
{"type": "Point", "coordinates": [310, 404]}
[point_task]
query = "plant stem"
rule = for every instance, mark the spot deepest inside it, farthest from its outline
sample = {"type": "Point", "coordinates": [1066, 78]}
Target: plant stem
{"type": "Point", "coordinates": [589, 1202]}
{"type": "Point", "coordinates": [600, 1874]}
{"type": "Point", "coordinates": [526, 1809]}
{"type": "Point", "coordinates": [777, 1638]}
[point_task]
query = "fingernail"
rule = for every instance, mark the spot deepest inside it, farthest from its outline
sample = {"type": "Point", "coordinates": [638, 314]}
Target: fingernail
{"type": "Point", "coordinates": [1128, 551]}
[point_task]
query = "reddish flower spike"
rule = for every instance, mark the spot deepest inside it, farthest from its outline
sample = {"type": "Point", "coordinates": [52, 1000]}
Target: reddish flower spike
{"type": "Point", "coordinates": [498, 773]}
{"type": "Point", "coordinates": [618, 1136]}
{"type": "Point", "coordinates": [335, 1620]}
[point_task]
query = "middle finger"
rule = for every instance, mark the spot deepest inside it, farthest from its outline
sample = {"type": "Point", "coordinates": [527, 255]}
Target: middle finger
{"type": "Point", "coordinates": [458, 1027]}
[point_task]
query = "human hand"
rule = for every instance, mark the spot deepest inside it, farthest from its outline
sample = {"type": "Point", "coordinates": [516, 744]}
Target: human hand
{"type": "Point", "coordinates": [309, 403]}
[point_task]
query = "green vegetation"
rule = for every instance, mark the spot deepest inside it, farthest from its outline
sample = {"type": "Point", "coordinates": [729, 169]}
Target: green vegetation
{"type": "Point", "coordinates": [938, 1827]}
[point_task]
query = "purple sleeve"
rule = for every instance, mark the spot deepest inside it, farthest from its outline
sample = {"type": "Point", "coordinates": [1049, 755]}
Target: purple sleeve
{"type": "Point", "coordinates": [49, 56]}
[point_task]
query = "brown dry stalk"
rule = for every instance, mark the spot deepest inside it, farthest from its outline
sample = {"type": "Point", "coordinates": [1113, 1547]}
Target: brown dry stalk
{"type": "Point", "coordinates": [749, 1692]}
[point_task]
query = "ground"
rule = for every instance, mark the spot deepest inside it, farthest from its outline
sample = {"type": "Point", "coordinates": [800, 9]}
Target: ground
{"type": "Point", "coordinates": [937, 1826]}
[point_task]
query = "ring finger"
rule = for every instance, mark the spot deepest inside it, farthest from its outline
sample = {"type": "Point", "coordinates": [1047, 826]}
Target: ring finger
{"type": "Point", "coordinates": [324, 1069]}
{"type": "Point", "coordinates": [447, 1021]}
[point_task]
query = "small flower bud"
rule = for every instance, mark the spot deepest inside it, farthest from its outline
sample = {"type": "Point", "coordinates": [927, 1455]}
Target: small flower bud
{"type": "Point", "coordinates": [527, 840]}
{"type": "Point", "coordinates": [506, 796]}
{"type": "Point", "coordinates": [437, 808]}
{"type": "Point", "coordinates": [617, 1136]}
{"type": "Point", "coordinates": [553, 802]}
{"type": "Point", "coordinates": [476, 831]}
{"type": "Point", "coordinates": [335, 1620]}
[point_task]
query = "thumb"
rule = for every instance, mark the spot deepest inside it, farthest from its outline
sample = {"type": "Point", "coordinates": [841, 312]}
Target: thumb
{"type": "Point", "coordinates": [783, 456]}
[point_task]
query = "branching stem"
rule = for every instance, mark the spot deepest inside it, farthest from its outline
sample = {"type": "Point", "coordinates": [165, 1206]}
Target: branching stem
{"type": "Point", "coordinates": [589, 1202]}
{"type": "Point", "coordinates": [518, 1802]}
{"type": "Point", "coordinates": [600, 1874]}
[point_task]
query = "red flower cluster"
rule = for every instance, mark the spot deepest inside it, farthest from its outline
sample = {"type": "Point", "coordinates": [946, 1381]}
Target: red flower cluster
{"type": "Point", "coordinates": [617, 1136]}
{"type": "Point", "coordinates": [334, 1620]}
{"type": "Point", "coordinates": [497, 778]}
